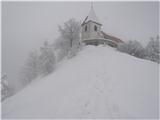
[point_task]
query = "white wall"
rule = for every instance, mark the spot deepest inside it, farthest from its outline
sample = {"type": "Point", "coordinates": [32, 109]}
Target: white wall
{"type": "Point", "coordinates": [90, 33]}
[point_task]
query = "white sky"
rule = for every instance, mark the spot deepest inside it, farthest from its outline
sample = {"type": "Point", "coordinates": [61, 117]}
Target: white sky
{"type": "Point", "coordinates": [25, 25]}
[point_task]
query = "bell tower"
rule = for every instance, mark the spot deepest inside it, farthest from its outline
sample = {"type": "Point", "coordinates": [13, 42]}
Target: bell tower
{"type": "Point", "coordinates": [90, 28]}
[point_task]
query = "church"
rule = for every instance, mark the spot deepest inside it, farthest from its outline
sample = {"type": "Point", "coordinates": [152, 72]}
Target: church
{"type": "Point", "coordinates": [91, 33]}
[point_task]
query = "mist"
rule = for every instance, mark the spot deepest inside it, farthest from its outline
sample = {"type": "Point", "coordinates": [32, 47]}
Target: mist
{"type": "Point", "coordinates": [26, 25]}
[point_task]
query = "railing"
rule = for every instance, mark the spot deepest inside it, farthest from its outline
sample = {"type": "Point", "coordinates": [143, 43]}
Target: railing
{"type": "Point", "coordinates": [98, 41]}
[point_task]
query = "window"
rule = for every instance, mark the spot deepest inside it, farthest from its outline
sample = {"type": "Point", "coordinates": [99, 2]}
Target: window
{"type": "Point", "coordinates": [86, 28]}
{"type": "Point", "coordinates": [95, 28]}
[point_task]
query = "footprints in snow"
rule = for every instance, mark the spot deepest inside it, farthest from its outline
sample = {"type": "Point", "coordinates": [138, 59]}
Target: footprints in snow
{"type": "Point", "coordinates": [98, 103]}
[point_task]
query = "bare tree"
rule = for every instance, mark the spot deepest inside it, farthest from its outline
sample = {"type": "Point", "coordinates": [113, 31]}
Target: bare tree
{"type": "Point", "coordinates": [152, 50]}
{"type": "Point", "coordinates": [31, 68]}
{"type": "Point", "coordinates": [6, 89]}
{"type": "Point", "coordinates": [38, 64]}
{"type": "Point", "coordinates": [133, 48]}
{"type": "Point", "coordinates": [70, 31]}
{"type": "Point", "coordinates": [68, 42]}
{"type": "Point", "coordinates": [47, 58]}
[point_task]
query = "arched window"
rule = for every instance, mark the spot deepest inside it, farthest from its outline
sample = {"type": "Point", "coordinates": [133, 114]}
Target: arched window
{"type": "Point", "coordinates": [95, 28]}
{"type": "Point", "coordinates": [86, 28]}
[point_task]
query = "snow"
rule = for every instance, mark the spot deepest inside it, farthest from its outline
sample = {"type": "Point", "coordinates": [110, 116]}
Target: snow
{"type": "Point", "coordinates": [99, 82]}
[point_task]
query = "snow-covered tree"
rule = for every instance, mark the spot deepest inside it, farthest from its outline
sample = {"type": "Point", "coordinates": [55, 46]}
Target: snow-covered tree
{"type": "Point", "coordinates": [133, 48]}
{"type": "Point", "coordinates": [39, 63]}
{"type": "Point", "coordinates": [62, 48]}
{"type": "Point", "coordinates": [6, 89]}
{"type": "Point", "coordinates": [47, 58]}
{"type": "Point", "coordinates": [152, 50]}
{"type": "Point", "coordinates": [70, 31]}
{"type": "Point", "coordinates": [69, 38]}
{"type": "Point", "coordinates": [31, 68]}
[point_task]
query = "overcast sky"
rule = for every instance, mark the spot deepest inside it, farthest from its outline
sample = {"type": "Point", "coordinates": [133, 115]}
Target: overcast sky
{"type": "Point", "coordinates": [25, 25]}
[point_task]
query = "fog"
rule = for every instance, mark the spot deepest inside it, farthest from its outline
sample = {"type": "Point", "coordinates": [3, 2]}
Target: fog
{"type": "Point", "coordinates": [25, 25]}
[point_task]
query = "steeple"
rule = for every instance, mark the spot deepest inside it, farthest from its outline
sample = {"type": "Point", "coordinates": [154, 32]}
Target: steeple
{"type": "Point", "coordinates": [91, 16]}
{"type": "Point", "coordinates": [91, 27]}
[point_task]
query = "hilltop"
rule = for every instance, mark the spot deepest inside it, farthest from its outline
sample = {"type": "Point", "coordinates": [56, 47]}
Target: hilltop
{"type": "Point", "coordinates": [99, 82]}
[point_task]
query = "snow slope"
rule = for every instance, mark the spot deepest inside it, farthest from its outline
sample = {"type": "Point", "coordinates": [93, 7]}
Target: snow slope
{"type": "Point", "coordinates": [99, 82]}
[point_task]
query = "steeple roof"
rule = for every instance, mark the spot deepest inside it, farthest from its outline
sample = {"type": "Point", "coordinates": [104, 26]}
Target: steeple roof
{"type": "Point", "coordinates": [91, 16]}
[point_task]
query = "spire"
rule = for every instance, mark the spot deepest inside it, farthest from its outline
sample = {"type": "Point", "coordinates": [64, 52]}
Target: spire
{"type": "Point", "coordinates": [91, 5]}
{"type": "Point", "coordinates": [92, 16]}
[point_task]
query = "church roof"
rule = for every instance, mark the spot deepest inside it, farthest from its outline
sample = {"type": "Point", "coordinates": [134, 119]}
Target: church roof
{"type": "Point", "coordinates": [91, 17]}
{"type": "Point", "coordinates": [115, 39]}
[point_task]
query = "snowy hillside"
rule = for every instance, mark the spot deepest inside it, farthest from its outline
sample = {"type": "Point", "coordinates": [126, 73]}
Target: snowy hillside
{"type": "Point", "coordinates": [99, 82]}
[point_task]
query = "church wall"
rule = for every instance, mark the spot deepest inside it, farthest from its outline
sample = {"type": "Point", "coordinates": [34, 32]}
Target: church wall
{"type": "Point", "coordinates": [90, 33]}
{"type": "Point", "coordinates": [85, 34]}
{"type": "Point", "coordinates": [93, 33]}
